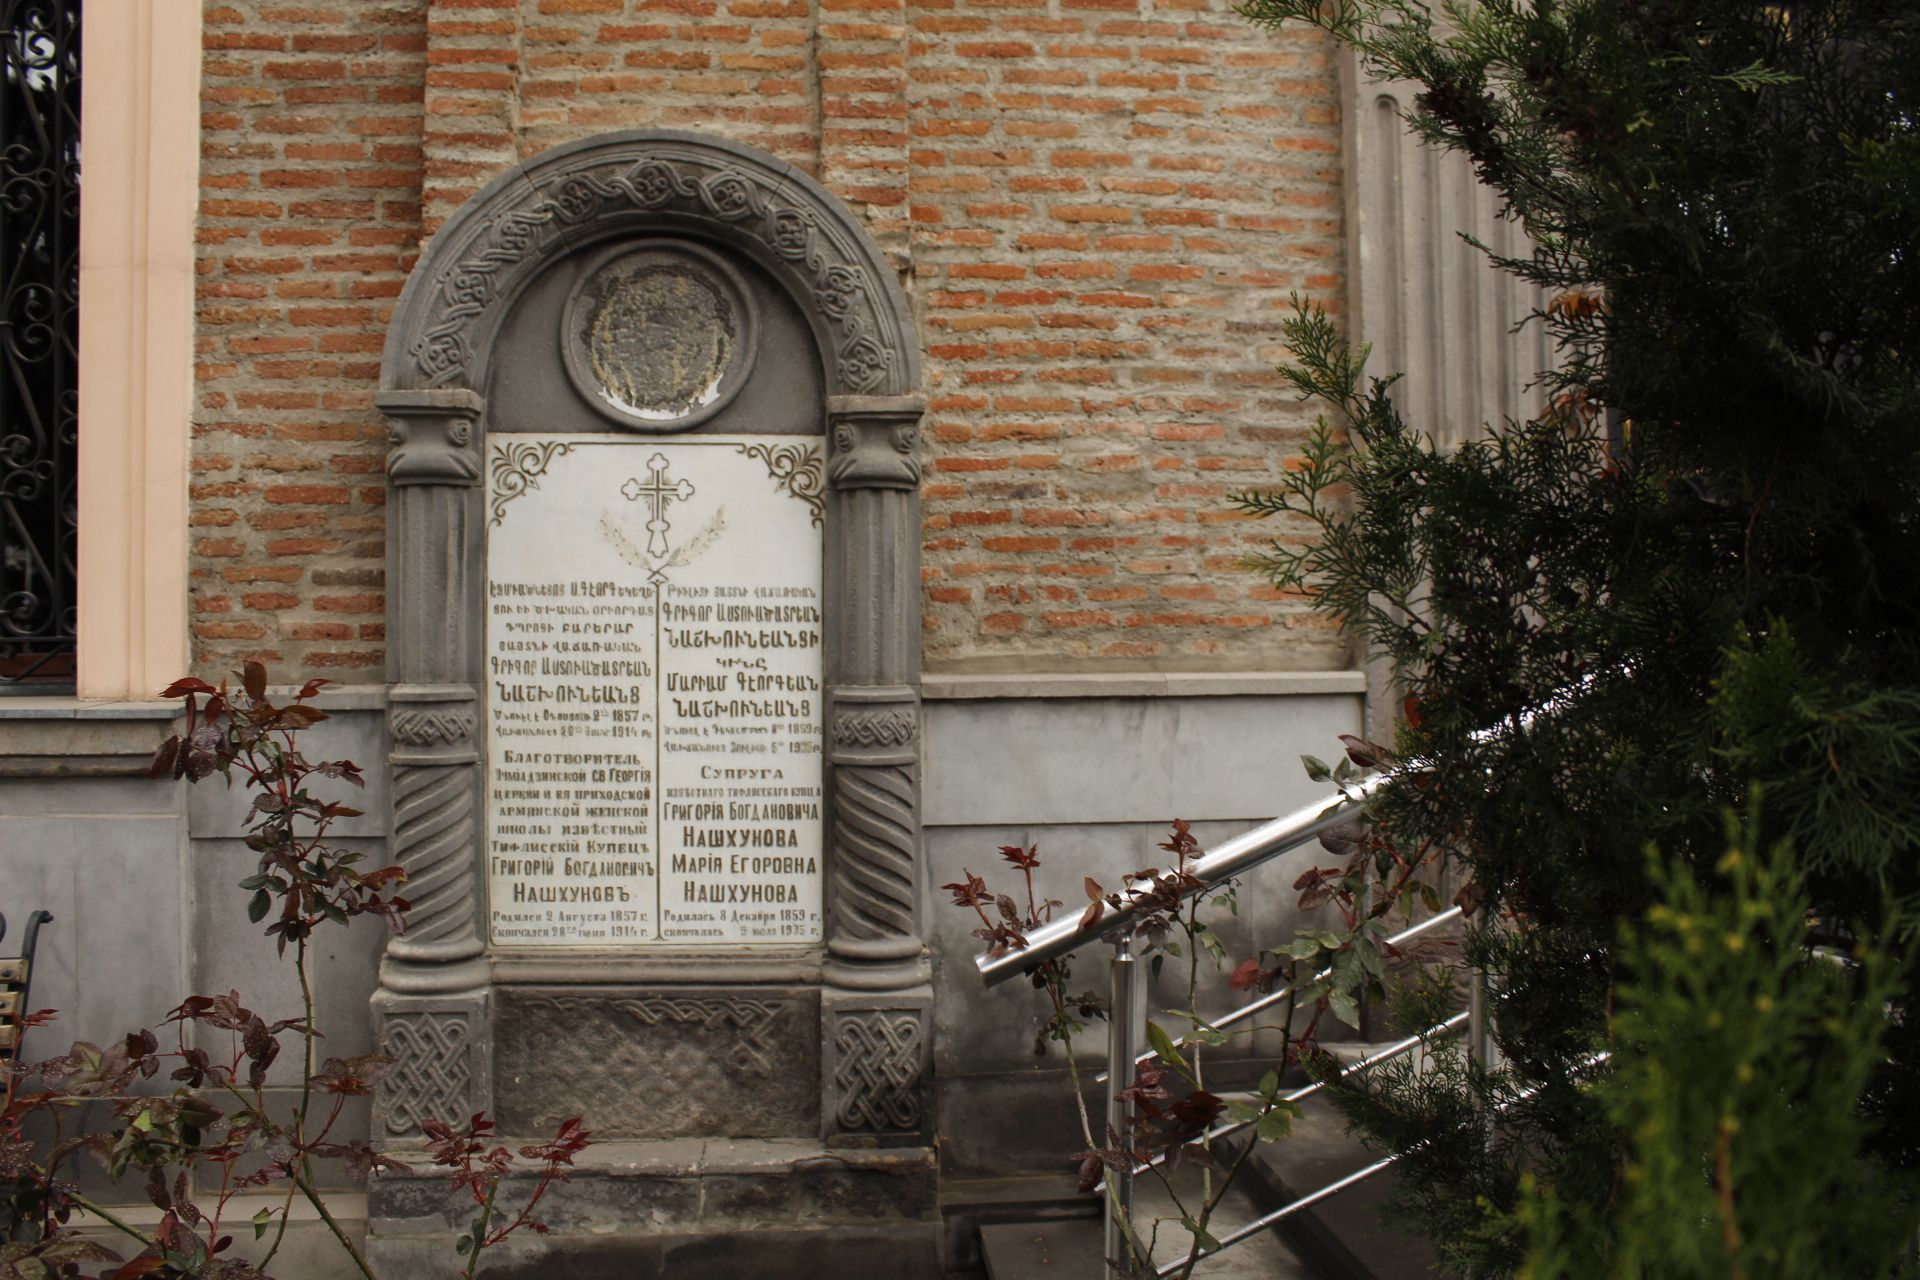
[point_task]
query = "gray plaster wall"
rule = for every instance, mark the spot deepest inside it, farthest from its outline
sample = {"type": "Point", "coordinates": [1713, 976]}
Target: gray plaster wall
{"type": "Point", "coordinates": [227, 952]}
{"type": "Point", "coordinates": [1092, 770]}
{"type": "Point", "coordinates": [85, 835]}
{"type": "Point", "coordinates": [141, 875]}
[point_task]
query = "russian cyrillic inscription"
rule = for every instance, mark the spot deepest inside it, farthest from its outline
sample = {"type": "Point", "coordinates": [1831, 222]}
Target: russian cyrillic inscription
{"type": "Point", "coordinates": [654, 690]}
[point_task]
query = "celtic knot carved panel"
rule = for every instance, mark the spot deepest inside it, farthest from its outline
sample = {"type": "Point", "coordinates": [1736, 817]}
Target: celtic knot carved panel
{"type": "Point", "coordinates": [431, 726]}
{"type": "Point", "coordinates": [876, 1072]}
{"type": "Point", "coordinates": [894, 726]}
{"type": "Point", "coordinates": [869, 352]}
{"type": "Point", "coordinates": [752, 1051]}
{"type": "Point", "coordinates": [431, 1075]}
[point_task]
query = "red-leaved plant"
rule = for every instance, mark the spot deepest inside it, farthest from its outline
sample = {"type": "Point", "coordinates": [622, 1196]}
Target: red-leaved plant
{"type": "Point", "coordinates": [216, 1121]}
{"type": "Point", "coordinates": [1322, 970]}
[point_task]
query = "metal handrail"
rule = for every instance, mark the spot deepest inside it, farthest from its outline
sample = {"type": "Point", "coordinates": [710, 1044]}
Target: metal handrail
{"type": "Point", "coordinates": [1399, 1048]}
{"type": "Point", "coordinates": [1274, 997]}
{"type": "Point", "coordinates": [1249, 849]}
{"type": "Point", "coordinates": [16, 977]}
{"type": "Point", "coordinates": [1236, 857]}
{"type": "Point", "coordinates": [1358, 1176]}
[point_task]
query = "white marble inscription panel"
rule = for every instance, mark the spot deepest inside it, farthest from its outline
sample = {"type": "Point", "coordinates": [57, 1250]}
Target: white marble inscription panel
{"type": "Point", "coordinates": [655, 691]}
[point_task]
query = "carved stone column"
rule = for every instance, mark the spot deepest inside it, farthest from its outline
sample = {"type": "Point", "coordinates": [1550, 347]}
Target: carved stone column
{"type": "Point", "coordinates": [431, 1011]}
{"type": "Point", "coordinates": [876, 1033]}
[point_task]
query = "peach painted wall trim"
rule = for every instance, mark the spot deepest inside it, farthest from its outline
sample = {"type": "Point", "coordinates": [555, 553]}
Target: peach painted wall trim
{"type": "Point", "coordinates": [140, 100]}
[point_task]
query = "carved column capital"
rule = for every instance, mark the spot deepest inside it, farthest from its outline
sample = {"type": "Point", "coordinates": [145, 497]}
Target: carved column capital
{"type": "Point", "coordinates": [433, 437]}
{"type": "Point", "coordinates": [874, 441]}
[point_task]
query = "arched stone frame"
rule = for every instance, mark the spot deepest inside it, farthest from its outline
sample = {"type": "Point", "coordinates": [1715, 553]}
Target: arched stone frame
{"type": "Point", "coordinates": [433, 1005]}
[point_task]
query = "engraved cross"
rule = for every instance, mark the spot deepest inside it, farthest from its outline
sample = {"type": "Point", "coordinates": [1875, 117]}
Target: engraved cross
{"type": "Point", "coordinates": [658, 493]}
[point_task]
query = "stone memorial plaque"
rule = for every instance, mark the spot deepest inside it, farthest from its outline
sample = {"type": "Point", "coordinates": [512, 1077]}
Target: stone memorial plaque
{"type": "Point", "coordinates": [655, 692]}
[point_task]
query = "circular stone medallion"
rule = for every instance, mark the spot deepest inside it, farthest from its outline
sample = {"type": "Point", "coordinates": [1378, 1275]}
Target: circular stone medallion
{"type": "Point", "coordinates": [659, 338]}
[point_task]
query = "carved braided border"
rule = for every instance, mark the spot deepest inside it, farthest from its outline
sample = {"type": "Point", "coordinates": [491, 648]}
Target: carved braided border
{"type": "Point", "coordinates": [866, 338]}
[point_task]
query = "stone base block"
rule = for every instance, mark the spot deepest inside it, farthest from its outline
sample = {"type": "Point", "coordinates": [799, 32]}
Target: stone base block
{"type": "Point", "coordinates": [898, 1253]}
{"type": "Point", "coordinates": [768, 1209]}
{"type": "Point", "coordinates": [442, 1051]}
{"type": "Point", "coordinates": [877, 1076]}
{"type": "Point", "coordinates": [659, 1062]}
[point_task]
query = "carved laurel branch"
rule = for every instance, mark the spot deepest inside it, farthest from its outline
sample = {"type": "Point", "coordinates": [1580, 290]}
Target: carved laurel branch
{"type": "Point", "coordinates": [517, 468]}
{"type": "Point", "coordinates": [798, 468]}
{"type": "Point", "coordinates": [865, 342]}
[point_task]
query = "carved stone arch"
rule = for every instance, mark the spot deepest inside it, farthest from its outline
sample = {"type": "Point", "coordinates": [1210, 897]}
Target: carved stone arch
{"type": "Point", "coordinates": [434, 1008]}
{"type": "Point", "coordinates": [662, 180]}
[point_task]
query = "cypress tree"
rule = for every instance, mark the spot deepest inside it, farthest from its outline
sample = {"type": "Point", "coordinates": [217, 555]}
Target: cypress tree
{"type": "Point", "coordinates": [1706, 555]}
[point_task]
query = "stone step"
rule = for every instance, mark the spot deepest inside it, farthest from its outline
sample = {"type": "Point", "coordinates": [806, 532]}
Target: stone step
{"type": "Point", "coordinates": [1070, 1248]}
{"type": "Point", "coordinates": [1266, 1256]}
{"type": "Point", "coordinates": [1344, 1236]}
{"type": "Point", "coordinates": [1062, 1249]}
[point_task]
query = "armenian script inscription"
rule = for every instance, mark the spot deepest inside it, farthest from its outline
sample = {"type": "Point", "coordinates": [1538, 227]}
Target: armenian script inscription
{"type": "Point", "coordinates": [654, 691]}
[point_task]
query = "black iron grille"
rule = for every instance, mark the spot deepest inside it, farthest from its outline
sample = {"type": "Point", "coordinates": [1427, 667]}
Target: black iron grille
{"type": "Point", "coordinates": [40, 286]}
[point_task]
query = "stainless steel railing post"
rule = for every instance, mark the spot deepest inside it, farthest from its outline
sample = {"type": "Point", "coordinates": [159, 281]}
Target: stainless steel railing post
{"type": "Point", "coordinates": [1123, 1033]}
{"type": "Point", "coordinates": [1478, 1045]}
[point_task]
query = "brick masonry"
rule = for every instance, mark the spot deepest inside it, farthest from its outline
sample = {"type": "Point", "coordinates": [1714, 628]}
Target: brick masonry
{"type": "Point", "coordinates": [1099, 206]}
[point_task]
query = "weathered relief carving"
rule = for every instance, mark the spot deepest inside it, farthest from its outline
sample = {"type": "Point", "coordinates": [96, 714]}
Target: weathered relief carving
{"type": "Point", "coordinates": [744, 1022]}
{"type": "Point", "coordinates": [660, 338]}
{"type": "Point", "coordinates": [797, 469]}
{"type": "Point", "coordinates": [879, 1057]}
{"type": "Point", "coordinates": [869, 345]}
{"type": "Point", "coordinates": [517, 467]}
{"type": "Point", "coordinates": [431, 1077]}
{"type": "Point", "coordinates": [736, 1062]}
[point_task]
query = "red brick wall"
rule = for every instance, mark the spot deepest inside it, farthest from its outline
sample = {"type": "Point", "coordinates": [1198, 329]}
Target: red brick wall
{"type": "Point", "coordinates": [1109, 212]}
{"type": "Point", "coordinates": [740, 68]}
{"type": "Point", "coordinates": [309, 221]}
{"type": "Point", "coordinates": [1100, 216]}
